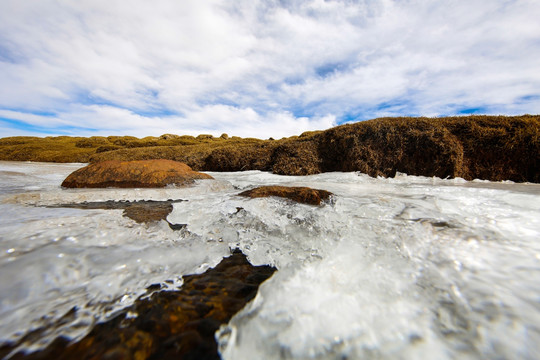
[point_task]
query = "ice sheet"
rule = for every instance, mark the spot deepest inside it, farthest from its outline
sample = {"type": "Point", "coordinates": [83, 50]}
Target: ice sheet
{"type": "Point", "coordinates": [409, 267]}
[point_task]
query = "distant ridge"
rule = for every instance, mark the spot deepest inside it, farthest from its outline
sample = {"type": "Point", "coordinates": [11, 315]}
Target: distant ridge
{"type": "Point", "coordinates": [484, 147]}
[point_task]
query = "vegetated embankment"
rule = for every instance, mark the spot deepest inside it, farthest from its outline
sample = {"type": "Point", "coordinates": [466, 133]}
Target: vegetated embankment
{"type": "Point", "coordinates": [485, 147]}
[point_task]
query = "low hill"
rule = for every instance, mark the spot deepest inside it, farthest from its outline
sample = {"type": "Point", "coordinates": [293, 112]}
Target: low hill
{"type": "Point", "coordinates": [485, 147]}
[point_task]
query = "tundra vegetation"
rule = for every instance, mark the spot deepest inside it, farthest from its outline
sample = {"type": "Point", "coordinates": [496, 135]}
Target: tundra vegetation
{"type": "Point", "coordinates": [485, 147]}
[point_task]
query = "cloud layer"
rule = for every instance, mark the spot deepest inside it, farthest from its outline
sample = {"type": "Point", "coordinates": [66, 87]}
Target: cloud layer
{"type": "Point", "coordinates": [259, 68]}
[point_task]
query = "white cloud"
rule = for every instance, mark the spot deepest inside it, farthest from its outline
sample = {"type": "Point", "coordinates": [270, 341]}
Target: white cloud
{"type": "Point", "coordinates": [246, 122]}
{"type": "Point", "coordinates": [213, 119]}
{"type": "Point", "coordinates": [252, 66]}
{"type": "Point", "coordinates": [32, 119]}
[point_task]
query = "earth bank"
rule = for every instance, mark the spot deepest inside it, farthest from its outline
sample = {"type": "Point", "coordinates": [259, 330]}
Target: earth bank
{"type": "Point", "coordinates": [485, 147]}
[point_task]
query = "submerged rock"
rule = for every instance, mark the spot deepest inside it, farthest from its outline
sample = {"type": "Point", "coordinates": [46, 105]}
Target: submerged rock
{"type": "Point", "coordinates": [142, 211]}
{"type": "Point", "coordinates": [133, 174]}
{"type": "Point", "coordinates": [168, 324]}
{"type": "Point", "coordinates": [303, 195]}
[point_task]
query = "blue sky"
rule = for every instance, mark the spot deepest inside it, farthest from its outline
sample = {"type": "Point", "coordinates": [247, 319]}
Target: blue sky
{"type": "Point", "coordinates": [259, 68]}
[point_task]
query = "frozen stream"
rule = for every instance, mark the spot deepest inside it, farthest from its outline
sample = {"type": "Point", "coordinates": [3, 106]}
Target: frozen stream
{"type": "Point", "coordinates": [409, 267]}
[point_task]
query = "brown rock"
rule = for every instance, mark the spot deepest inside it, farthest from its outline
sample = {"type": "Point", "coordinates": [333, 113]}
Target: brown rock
{"type": "Point", "coordinates": [169, 324]}
{"type": "Point", "coordinates": [303, 195]}
{"type": "Point", "coordinates": [133, 174]}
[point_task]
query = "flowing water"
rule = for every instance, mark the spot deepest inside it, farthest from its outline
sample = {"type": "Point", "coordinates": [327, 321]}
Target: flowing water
{"type": "Point", "coordinates": [409, 267]}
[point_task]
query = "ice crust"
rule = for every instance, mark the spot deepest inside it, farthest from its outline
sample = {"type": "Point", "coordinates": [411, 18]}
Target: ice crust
{"type": "Point", "coordinates": [409, 267]}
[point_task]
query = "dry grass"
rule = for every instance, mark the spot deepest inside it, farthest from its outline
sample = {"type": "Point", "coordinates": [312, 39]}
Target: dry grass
{"type": "Point", "coordinates": [485, 147]}
{"type": "Point", "coordinates": [80, 149]}
{"type": "Point", "coordinates": [53, 149]}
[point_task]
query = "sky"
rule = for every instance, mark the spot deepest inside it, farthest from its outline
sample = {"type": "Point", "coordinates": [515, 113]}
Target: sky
{"type": "Point", "coordinates": [261, 69]}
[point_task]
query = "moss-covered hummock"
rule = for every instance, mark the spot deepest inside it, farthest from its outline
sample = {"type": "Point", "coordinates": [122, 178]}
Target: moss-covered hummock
{"type": "Point", "coordinates": [133, 174]}
{"type": "Point", "coordinates": [304, 195]}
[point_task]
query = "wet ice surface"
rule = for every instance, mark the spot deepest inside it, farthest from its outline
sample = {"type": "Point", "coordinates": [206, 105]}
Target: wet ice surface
{"type": "Point", "coordinates": [410, 267]}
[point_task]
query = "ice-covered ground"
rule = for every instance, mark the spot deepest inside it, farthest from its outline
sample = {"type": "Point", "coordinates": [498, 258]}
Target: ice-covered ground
{"type": "Point", "coordinates": [410, 267]}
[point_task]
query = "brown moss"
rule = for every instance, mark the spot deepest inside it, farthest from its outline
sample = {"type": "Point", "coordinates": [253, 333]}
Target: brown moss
{"type": "Point", "coordinates": [92, 142]}
{"type": "Point", "coordinates": [52, 149]}
{"type": "Point", "coordinates": [486, 147]}
{"type": "Point", "coordinates": [238, 158]}
{"type": "Point", "coordinates": [123, 140]}
{"type": "Point", "coordinates": [106, 148]}
{"type": "Point", "coordinates": [383, 147]}
{"type": "Point", "coordinates": [78, 149]}
{"type": "Point", "coordinates": [296, 158]}
{"type": "Point", "coordinates": [169, 136]}
{"type": "Point", "coordinates": [310, 134]}
{"type": "Point", "coordinates": [205, 137]}
{"type": "Point", "coordinates": [218, 154]}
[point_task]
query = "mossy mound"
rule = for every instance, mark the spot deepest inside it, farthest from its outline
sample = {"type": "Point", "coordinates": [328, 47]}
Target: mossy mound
{"type": "Point", "coordinates": [485, 147]}
{"type": "Point", "coordinates": [133, 174]}
{"type": "Point", "coordinates": [304, 195]}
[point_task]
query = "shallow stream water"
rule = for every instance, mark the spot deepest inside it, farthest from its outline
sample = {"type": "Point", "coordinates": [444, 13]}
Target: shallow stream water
{"type": "Point", "coordinates": [409, 267]}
